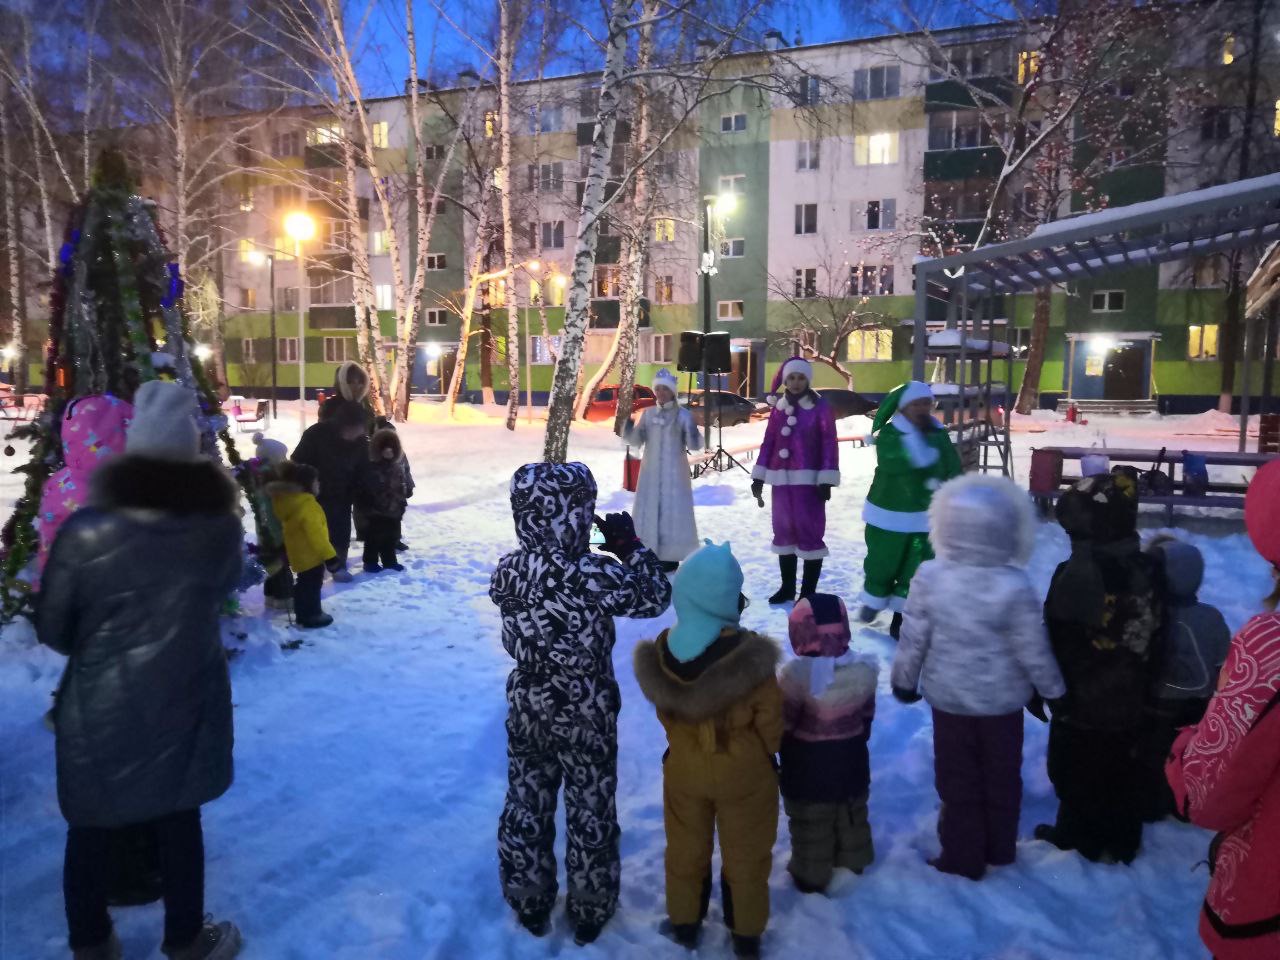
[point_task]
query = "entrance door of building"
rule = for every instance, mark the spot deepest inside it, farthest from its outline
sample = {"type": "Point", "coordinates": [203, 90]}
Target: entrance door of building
{"type": "Point", "coordinates": [1124, 374]}
{"type": "Point", "coordinates": [747, 376]}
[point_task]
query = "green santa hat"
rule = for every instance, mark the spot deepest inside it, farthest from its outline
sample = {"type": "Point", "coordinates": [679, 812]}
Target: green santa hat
{"type": "Point", "coordinates": [895, 400]}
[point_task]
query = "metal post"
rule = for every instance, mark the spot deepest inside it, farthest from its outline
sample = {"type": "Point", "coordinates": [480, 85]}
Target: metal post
{"type": "Point", "coordinates": [271, 268]}
{"type": "Point", "coordinates": [919, 343]}
{"type": "Point", "coordinates": [528, 368]}
{"type": "Point", "coordinates": [706, 323]}
{"type": "Point", "coordinates": [302, 333]}
{"type": "Point", "coordinates": [1244, 386]}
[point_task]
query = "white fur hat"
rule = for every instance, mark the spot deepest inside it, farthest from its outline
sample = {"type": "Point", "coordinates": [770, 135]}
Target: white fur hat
{"type": "Point", "coordinates": [665, 378]}
{"type": "Point", "coordinates": [796, 365]}
{"type": "Point", "coordinates": [913, 391]}
{"type": "Point", "coordinates": [271, 451]}
{"type": "Point", "coordinates": [164, 423]}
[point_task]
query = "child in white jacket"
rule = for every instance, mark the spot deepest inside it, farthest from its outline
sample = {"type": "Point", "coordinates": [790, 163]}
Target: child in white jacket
{"type": "Point", "coordinates": [973, 641]}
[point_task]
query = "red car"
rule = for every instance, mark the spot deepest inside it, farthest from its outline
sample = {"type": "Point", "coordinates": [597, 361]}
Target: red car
{"type": "Point", "coordinates": [604, 405]}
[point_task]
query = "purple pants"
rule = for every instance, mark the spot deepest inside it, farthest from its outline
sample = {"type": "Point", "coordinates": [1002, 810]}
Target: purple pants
{"type": "Point", "coordinates": [977, 764]}
{"type": "Point", "coordinates": [799, 521]}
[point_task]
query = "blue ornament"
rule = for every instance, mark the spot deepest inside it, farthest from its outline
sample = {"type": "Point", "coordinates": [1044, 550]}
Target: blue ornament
{"type": "Point", "coordinates": [176, 286]}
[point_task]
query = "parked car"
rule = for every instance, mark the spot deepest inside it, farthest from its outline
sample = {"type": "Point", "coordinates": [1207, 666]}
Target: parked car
{"type": "Point", "coordinates": [846, 403]}
{"type": "Point", "coordinates": [604, 405]}
{"type": "Point", "coordinates": [726, 409]}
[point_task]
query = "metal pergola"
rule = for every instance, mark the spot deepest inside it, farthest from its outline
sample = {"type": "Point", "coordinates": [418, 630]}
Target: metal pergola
{"type": "Point", "coordinates": [1216, 219]}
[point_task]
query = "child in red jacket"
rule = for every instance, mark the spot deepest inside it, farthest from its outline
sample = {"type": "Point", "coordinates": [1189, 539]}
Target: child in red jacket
{"type": "Point", "coordinates": [1225, 771]}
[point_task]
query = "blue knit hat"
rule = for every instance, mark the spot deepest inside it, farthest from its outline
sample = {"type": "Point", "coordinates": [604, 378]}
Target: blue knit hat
{"type": "Point", "coordinates": [705, 597]}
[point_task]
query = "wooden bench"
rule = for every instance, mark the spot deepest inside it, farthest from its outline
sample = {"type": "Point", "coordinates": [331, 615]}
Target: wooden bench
{"type": "Point", "coordinates": [21, 406]}
{"type": "Point", "coordinates": [1217, 494]}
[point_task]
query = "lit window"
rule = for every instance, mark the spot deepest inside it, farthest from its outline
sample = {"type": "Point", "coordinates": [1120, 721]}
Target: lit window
{"type": "Point", "coordinates": [435, 317]}
{"type": "Point", "coordinates": [875, 149]}
{"type": "Point", "coordinates": [664, 289]}
{"type": "Point", "coordinates": [282, 249]}
{"type": "Point", "coordinates": [490, 123]}
{"type": "Point", "coordinates": [382, 296]}
{"type": "Point", "coordinates": [733, 123]}
{"type": "Point", "coordinates": [378, 242]}
{"type": "Point", "coordinates": [664, 230]}
{"type": "Point", "coordinates": [729, 310]}
{"type": "Point", "coordinates": [1202, 342]}
{"type": "Point", "coordinates": [1228, 49]}
{"type": "Point", "coordinates": [325, 134]}
{"type": "Point", "coordinates": [435, 261]}
{"type": "Point", "coordinates": [875, 344]}
{"type": "Point", "coordinates": [246, 251]}
{"type": "Point", "coordinates": [248, 298]}
{"type": "Point", "coordinates": [1275, 124]}
{"type": "Point", "coordinates": [608, 283]}
{"type": "Point", "coordinates": [731, 248]}
{"type": "Point", "coordinates": [380, 140]}
{"type": "Point", "coordinates": [1107, 301]}
{"type": "Point", "coordinates": [1028, 65]}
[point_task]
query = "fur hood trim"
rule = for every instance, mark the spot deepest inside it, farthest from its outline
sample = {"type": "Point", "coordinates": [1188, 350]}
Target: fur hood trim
{"type": "Point", "coordinates": [717, 688]}
{"type": "Point", "coordinates": [384, 439]}
{"type": "Point", "coordinates": [132, 482]}
{"type": "Point", "coordinates": [852, 685]}
{"type": "Point", "coordinates": [291, 477]}
{"type": "Point", "coordinates": [983, 520]}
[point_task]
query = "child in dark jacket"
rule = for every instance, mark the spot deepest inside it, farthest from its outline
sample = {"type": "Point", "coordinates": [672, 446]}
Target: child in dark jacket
{"type": "Point", "coordinates": [336, 447]}
{"type": "Point", "coordinates": [306, 537]}
{"type": "Point", "coordinates": [1104, 612]}
{"type": "Point", "coordinates": [716, 692]}
{"type": "Point", "coordinates": [383, 488]}
{"type": "Point", "coordinates": [1195, 644]}
{"type": "Point", "coordinates": [828, 703]}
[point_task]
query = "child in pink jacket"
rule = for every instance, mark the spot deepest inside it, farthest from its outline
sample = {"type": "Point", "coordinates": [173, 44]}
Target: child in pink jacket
{"type": "Point", "coordinates": [1225, 770]}
{"type": "Point", "coordinates": [93, 429]}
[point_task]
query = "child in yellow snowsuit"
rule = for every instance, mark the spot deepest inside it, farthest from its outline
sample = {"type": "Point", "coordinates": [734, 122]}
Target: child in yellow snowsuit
{"type": "Point", "coordinates": [717, 696]}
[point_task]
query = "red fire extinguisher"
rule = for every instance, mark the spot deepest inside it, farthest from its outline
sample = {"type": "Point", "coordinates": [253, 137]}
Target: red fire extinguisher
{"type": "Point", "coordinates": [1072, 412]}
{"type": "Point", "coordinates": [630, 472]}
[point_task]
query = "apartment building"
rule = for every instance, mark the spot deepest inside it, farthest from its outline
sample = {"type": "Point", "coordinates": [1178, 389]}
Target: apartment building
{"type": "Point", "coordinates": [841, 171]}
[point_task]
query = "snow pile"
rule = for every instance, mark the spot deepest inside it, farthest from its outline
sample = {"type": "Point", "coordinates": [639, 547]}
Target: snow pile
{"type": "Point", "coordinates": [1216, 422]}
{"type": "Point", "coordinates": [370, 763]}
{"type": "Point", "coordinates": [950, 339]}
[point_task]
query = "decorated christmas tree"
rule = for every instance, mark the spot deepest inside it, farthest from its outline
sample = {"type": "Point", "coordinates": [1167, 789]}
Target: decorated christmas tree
{"type": "Point", "coordinates": [116, 321]}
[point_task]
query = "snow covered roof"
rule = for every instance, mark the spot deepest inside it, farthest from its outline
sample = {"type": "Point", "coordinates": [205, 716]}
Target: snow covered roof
{"type": "Point", "coordinates": [1225, 217]}
{"type": "Point", "coordinates": [1264, 283]}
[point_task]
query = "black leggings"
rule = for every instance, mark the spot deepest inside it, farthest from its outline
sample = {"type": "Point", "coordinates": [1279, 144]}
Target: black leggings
{"type": "Point", "coordinates": [85, 875]}
{"type": "Point", "coordinates": [306, 593]}
{"type": "Point", "coordinates": [380, 538]}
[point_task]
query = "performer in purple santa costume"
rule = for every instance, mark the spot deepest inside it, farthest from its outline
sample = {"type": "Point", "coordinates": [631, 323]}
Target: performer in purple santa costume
{"type": "Point", "coordinates": [799, 460]}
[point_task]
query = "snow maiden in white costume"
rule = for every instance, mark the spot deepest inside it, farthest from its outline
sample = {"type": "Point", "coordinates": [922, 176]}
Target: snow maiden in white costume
{"type": "Point", "coordinates": [663, 509]}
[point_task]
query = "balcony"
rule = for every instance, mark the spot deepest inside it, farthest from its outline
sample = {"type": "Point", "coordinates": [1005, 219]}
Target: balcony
{"type": "Point", "coordinates": [949, 94]}
{"type": "Point", "coordinates": [332, 318]}
{"type": "Point", "coordinates": [985, 162]}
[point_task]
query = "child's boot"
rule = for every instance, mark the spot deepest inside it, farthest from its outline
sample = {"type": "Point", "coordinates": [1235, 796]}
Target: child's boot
{"type": "Point", "coordinates": [586, 933]}
{"type": "Point", "coordinates": [746, 946]}
{"type": "Point", "coordinates": [787, 566]}
{"type": "Point", "coordinates": [538, 924]}
{"type": "Point", "coordinates": [684, 934]}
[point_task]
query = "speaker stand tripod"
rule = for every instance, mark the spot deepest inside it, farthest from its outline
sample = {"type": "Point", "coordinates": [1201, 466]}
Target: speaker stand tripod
{"type": "Point", "coordinates": [718, 459]}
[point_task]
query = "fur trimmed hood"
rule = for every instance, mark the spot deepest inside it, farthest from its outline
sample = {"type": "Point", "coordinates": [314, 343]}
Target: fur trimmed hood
{"type": "Point", "coordinates": [384, 439]}
{"type": "Point", "coordinates": [727, 677]}
{"type": "Point", "coordinates": [982, 520]}
{"type": "Point", "coordinates": [351, 381]}
{"type": "Point", "coordinates": [131, 482]}
{"type": "Point", "coordinates": [292, 477]}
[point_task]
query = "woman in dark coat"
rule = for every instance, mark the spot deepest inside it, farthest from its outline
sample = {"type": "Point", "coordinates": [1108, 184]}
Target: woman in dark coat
{"type": "Point", "coordinates": [132, 595]}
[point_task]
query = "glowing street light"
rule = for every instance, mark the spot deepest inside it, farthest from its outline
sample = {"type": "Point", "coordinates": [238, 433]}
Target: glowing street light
{"type": "Point", "coordinates": [203, 351]}
{"type": "Point", "coordinates": [725, 204]}
{"type": "Point", "coordinates": [300, 226]}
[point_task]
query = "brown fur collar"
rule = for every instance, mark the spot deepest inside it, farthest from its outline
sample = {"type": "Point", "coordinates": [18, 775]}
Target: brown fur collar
{"type": "Point", "coordinates": [717, 688]}
{"type": "Point", "coordinates": [140, 483]}
{"type": "Point", "coordinates": [382, 440]}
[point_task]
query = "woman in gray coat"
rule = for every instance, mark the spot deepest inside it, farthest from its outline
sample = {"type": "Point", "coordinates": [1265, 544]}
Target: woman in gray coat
{"type": "Point", "coordinates": [132, 595]}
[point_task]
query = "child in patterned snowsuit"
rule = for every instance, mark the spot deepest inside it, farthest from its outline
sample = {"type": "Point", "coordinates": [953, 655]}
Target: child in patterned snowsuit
{"type": "Point", "coordinates": [716, 693]}
{"type": "Point", "coordinates": [828, 702]}
{"type": "Point", "coordinates": [978, 660]}
{"type": "Point", "coordinates": [93, 429]}
{"type": "Point", "coordinates": [800, 462]}
{"type": "Point", "coordinates": [914, 456]}
{"type": "Point", "coordinates": [383, 487]}
{"type": "Point", "coordinates": [558, 601]}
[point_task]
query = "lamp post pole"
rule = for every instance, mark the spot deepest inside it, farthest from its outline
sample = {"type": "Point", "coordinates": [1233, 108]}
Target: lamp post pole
{"type": "Point", "coordinates": [302, 332]}
{"type": "Point", "coordinates": [706, 322]}
{"type": "Point", "coordinates": [271, 274]}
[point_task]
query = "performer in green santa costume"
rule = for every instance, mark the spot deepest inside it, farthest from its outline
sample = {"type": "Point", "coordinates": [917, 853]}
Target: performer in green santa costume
{"type": "Point", "coordinates": [914, 456]}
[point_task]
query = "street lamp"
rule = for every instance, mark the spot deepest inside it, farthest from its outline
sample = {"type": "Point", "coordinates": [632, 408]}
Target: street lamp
{"type": "Point", "coordinates": [300, 227]}
{"type": "Point", "coordinates": [721, 206]}
{"type": "Point", "coordinates": [258, 258]}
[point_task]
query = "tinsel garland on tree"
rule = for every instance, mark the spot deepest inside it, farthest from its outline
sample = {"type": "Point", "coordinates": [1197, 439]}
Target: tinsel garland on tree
{"type": "Point", "coordinates": [116, 289]}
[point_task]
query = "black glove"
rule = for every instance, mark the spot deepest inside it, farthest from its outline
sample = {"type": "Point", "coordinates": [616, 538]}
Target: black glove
{"type": "Point", "coordinates": [906, 696]}
{"type": "Point", "coordinates": [824, 491]}
{"type": "Point", "coordinates": [1035, 707]}
{"type": "Point", "coordinates": [619, 534]}
{"type": "Point", "coordinates": [757, 491]}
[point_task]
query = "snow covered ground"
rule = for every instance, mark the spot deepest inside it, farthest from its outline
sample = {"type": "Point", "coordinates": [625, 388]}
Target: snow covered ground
{"type": "Point", "coordinates": [370, 763]}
